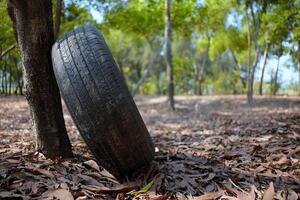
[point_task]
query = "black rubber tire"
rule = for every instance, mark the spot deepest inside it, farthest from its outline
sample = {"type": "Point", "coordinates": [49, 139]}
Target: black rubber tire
{"type": "Point", "coordinates": [99, 102]}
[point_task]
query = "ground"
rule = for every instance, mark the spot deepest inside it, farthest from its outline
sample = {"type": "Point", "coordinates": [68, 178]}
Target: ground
{"type": "Point", "coordinates": [210, 147]}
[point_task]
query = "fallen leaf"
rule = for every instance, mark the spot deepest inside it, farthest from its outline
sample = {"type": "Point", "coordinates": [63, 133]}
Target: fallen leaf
{"type": "Point", "coordinates": [92, 164]}
{"type": "Point", "coordinates": [292, 195]}
{"type": "Point", "coordinates": [144, 189]}
{"type": "Point", "coordinates": [43, 172]}
{"type": "Point", "coordinates": [269, 193]}
{"type": "Point", "coordinates": [283, 161]}
{"type": "Point", "coordinates": [89, 180]}
{"type": "Point", "coordinates": [209, 196]}
{"type": "Point", "coordinates": [123, 188]}
{"type": "Point", "coordinates": [162, 197]}
{"type": "Point", "coordinates": [10, 195]}
{"type": "Point", "coordinates": [61, 194]}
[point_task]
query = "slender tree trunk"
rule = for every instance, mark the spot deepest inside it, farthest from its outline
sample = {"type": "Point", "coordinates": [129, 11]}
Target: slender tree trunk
{"type": "Point", "coordinates": [298, 66]}
{"type": "Point", "coordinates": [249, 93]}
{"type": "Point", "coordinates": [10, 79]}
{"type": "Point", "coordinates": [168, 54]}
{"type": "Point", "coordinates": [58, 11]}
{"type": "Point", "coordinates": [21, 85]}
{"type": "Point", "coordinates": [33, 26]}
{"type": "Point", "coordinates": [5, 79]}
{"type": "Point", "coordinates": [2, 81]}
{"type": "Point", "coordinates": [275, 80]}
{"type": "Point", "coordinates": [252, 66]}
{"type": "Point", "coordinates": [200, 68]}
{"type": "Point", "coordinates": [265, 57]}
{"type": "Point", "coordinates": [17, 77]}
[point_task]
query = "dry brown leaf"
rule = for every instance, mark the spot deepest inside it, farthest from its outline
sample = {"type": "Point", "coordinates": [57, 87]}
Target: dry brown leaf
{"type": "Point", "coordinates": [10, 195]}
{"type": "Point", "coordinates": [93, 164]}
{"type": "Point", "coordinates": [209, 196]}
{"type": "Point", "coordinates": [162, 197]}
{"type": "Point", "coordinates": [292, 195]}
{"type": "Point", "coordinates": [123, 188]}
{"type": "Point", "coordinates": [269, 193]}
{"type": "Point", "coordinates": [60, 194]}
{"type": "Point", "coordinates": [89, 180]}
{"type": "Point", "coordinates": [105, 173]}
{"type": "Point", "coordinates": [283, 161]}
{"type": "Point", "coordinates": [42, 171]}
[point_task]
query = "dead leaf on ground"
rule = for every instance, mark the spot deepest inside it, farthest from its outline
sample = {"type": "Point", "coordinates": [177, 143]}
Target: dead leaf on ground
{"type": "Point", "coordinates": [60, 194]}
{"type": "Point", "coordinates": [269, 193]}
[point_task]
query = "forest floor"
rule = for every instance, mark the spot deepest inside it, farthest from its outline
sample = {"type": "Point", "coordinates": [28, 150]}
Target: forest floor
{"type": "Point", "coordinates": [211, 147]}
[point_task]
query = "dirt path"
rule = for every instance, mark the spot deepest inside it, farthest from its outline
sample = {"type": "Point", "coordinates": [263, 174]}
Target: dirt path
{"type": "Point", "coordinates": [210, 144]}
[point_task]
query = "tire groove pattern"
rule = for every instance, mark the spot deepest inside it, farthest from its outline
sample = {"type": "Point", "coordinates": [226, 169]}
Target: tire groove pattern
{"type": "Point", "coordinates": [100, 103]}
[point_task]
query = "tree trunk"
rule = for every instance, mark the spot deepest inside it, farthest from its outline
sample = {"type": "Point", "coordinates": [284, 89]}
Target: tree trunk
{"type": "Point", "coordinates": [200, 68]}
{"type": "Point", "coordinates": [275, 80]}
{"type": "Point", "coordinates": [263, 69]}
{"type": "Point", "coordinates": [10, 79]}
{"type": "Point", "coordinates": [252, 67]}
{"type": "Point", "coordinates": [298, 67]}
{"type": "Point", "coordinates": [5, 79]}
{"type": "Point", "coordinates": [21, 84]}
{"type": "Point", "coordinates": [17, 77]}
{"type": "Point", "coordinates": [33, 27]}
{"type": "Point", "coordinates": [168, 54]}
{"type": "Point", "coordinates": [2, 81]}
{"type": "Point", "coordinates": [58, 11]}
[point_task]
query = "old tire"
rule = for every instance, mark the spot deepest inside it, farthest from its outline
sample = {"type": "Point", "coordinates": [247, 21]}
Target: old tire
{"type": "Point", "coordinates": [99, 102]}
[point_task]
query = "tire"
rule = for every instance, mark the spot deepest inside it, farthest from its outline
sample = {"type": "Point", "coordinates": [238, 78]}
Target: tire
{"type": "Point", "coordinates": [99, 102]}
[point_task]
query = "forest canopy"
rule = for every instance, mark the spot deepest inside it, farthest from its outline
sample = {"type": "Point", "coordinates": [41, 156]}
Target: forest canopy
{"type": "Point", "coordinates": [218, 47]}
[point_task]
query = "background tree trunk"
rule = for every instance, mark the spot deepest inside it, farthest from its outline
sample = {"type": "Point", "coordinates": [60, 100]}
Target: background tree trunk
{"type": "Point", "coordinates": [275, 79]}
{"type": "Point", "coordinates": [33, 26]}
{"type": "Point", "coordinates": [252, 66]}
{"type": "Point", "coordinates": [58, 11]}
{"type": "Point", "coordinates": [265, 57]}
{"type": "Point", "coordinates": [5, 79]}
{"type": "Point", "coordinates": [10, 80]}
{"type": "Point", "coordinates": [168, 54]}
{"type": "Point", "coordinates": [298, 66]}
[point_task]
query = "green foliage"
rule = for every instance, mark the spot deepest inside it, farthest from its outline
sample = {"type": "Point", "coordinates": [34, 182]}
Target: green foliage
{"type": "Point", "coordinates": [73, 16]}
{"type": "Point", "coordinates": [134, 30]}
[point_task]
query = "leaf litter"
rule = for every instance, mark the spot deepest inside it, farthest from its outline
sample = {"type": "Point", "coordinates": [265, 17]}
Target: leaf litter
{"type": "Point", "coordinates": [210, 148]}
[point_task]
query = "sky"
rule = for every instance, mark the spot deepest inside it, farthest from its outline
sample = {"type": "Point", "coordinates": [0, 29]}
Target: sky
{"type": "Point", "coordinates": [286, 76]}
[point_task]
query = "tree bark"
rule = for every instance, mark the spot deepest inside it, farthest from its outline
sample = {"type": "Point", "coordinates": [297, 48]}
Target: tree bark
{"type": "Point", "coordinates": [265, 57]}
{"type": "Point", "coordinates": [58, 11]}
{"type": "Point", "coordinates": [10, 79]}
{"type": "Point", "coordinates": [33, 27]}
{"type": "Point", "coordinates": [275, 79]}
{"type": "Point", "coordinates": [2, 81]}
{"type": "Point", "coordinates": [5, 79]}
{"type": "Point", "coordinates": [298, 67]}
{"type": "Point", "coordinates": [252, 67]}
{"type": "Point", "coordinates": [168, 54]}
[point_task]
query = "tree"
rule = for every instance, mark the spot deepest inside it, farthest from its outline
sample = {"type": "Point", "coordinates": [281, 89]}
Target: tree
{"type": "Point", "coordinates": [252, 37]}
{"type": "Point", "coordinates": [58, 11]}
{"type": "Point", "coordinates": [33, 27]}
{"type": "Point", "coordinates": [168, 54]}
{"type": "Point", "coordinates": [264, 62]}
